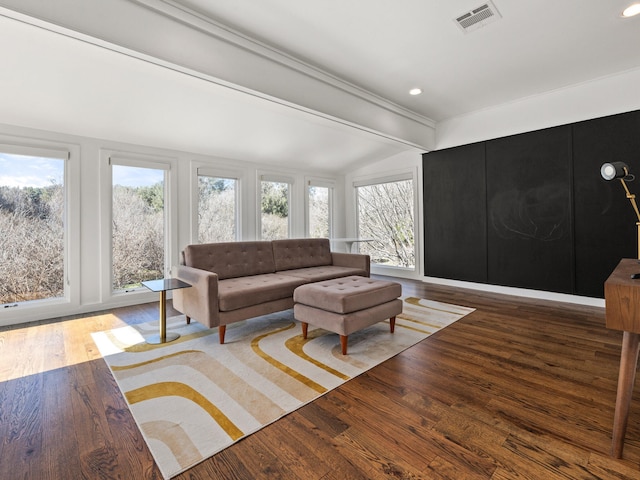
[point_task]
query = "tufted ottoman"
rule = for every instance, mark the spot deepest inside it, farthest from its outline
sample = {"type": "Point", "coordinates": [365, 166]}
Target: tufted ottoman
{"type": "Point", "coordinates": [346, 305]}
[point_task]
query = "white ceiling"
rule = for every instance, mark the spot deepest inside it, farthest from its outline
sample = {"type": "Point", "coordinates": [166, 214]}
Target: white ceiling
{"type": "Point", "coordinates": [57, 82]}
{"type": "Point", "coordinates": [389, 47]}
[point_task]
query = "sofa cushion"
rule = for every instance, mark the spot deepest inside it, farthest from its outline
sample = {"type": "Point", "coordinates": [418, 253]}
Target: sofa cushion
{"type": "Point", "coordinates": [234, 293]}
{"type": "Point", "coordinates": [231, 259]}
{"type": "Point", "coordinates": [290, 254]}
{"type": "Point", "coordinates": [325, 272]}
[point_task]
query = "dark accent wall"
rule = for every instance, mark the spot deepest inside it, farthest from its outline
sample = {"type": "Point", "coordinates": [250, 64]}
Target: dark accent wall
{"type": "Point", "coordinates": [532, 210]}
{"type": "Point", "coordinates": [456, 222]}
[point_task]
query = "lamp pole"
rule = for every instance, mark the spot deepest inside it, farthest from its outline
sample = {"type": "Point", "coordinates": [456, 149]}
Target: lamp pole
{"type": "Point", "coordinates": [620, 170]}
{"type": "Point", "coordinates": [632, 199]}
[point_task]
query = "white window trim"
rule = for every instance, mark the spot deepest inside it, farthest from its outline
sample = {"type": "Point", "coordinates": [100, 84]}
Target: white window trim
{"type": "Point", "coordinates": [291, 199]}
{"type": "Point", "coordinates": [139, 163]}
{"type": "Point", "coordinates": [141, 160]}
{"type": "Point", "coordinates": [325, 183]}
{"type": "Point", "coordinates": [266, 177]}
{"type": "Point", "coordinates": [393, 176]}
{"type": "Point", "coordinates": [390, 178]}
{"type": "Point", "coordinates": [35, 151]}
{"type": "Point", "coordinates": [206, 170]}
{"type": "Point", "coordinates": [70, 154]}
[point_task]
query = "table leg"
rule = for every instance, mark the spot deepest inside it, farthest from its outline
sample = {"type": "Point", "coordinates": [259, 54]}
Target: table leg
{"type": "Point", "coordinates": [163, 316]}
{"type": "Point", "coordinates": [163, 337]}
{"type": "Point", "coordinates": [626, 380]}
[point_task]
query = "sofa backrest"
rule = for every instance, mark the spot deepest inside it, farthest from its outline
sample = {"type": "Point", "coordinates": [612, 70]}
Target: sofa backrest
{"type": "Point", "coordinates": [231, 259]}
{"type": "Point", "coordinates": [301, 253]}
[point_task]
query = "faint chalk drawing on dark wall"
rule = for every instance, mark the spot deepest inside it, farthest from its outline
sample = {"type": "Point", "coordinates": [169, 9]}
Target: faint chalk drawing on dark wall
{"type": "Point", "coordinates": [538, 213]}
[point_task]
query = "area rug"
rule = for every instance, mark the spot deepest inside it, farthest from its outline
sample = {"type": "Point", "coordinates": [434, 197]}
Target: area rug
{"type": "Point", "coordinates": [193, 397]}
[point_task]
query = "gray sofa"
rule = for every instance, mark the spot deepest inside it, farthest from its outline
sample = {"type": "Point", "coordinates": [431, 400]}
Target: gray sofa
{"type": "Point", "coordinates": [234, 281]}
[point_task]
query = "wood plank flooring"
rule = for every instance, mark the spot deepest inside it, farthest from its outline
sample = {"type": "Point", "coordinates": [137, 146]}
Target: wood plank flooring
{"type": "Point", "coordinates": [519, 389]}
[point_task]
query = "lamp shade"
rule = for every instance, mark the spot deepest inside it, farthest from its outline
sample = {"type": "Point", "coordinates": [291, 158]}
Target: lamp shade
{"type": "Point", "coordinates": [609, 171]}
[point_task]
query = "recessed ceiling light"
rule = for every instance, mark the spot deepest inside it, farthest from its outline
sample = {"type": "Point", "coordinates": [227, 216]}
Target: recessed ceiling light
{"type": "Point", "coordinates": [631, 10]}
{"type": "Point", "coordinates": [415, 91]}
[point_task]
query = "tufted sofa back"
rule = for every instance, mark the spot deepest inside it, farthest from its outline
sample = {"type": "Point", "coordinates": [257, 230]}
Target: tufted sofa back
{"type": "Point", "coordinates": [301, 253]}
{"type": "Point", "coordinates": [231, 259]}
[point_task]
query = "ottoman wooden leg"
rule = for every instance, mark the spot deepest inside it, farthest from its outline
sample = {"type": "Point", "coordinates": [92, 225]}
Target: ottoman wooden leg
{"type": "Point", "coordinates": [188, 320]}
{"type": "Point", "coordinates": [343, 343]}
{"type": "Point", "coordinates": [305, 329]}
{"type": "Point", "coordinates": [392, 324]}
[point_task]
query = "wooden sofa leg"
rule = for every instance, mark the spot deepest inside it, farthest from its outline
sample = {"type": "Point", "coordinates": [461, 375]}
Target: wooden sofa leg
{"type": "Point", "coordinates": [305, 329]}
{"type": "Point", "coordinates": [392, 324]}
{"type": "Point", "coordinates": [343, 343]}
{"type": "Point", "coordinates": [222, 329]}
{"type": "Point", "coordinates": [188, 320]}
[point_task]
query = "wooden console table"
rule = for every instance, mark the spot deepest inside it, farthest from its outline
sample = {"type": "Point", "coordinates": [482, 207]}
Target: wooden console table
{"type": "Point", "coordinates": [622, 298]}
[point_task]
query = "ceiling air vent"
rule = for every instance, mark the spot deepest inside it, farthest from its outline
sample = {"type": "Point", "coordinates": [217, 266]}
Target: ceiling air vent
{"type": "Point", "coordinates": [478, 17]}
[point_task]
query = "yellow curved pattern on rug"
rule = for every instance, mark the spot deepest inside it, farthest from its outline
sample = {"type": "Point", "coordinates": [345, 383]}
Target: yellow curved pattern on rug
{"type": "Point", "coordinates": [416, 301]}
{"type": "Point", "coordinates": [296, 345]}
{"type": "Point", "coordinates": [145, 347]}
{"type": "Point", "coordinates": [260, 406]}
{"type": "Point", "coordinates": [176, 439]}
{"type": "Point", "coordinates": [165, 389]}
{"type": "Point", "coordinates": [409, 319]}
{"type": "Point", "coordinates": [155, 360]}
{"type": "Point", "coordinates": [255, 345]}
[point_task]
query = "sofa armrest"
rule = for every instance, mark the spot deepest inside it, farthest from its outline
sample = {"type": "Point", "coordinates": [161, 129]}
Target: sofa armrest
{"type": "Point", "coordinates": [353, 260]}
{"type": "Point", "coordinates": [199, 302]}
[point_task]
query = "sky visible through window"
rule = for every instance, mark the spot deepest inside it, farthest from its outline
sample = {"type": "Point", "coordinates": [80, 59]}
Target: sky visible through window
{"type": "Point", "coordinates": [136, 176]}
{"type": "Point", "coordinates": [26, 171]}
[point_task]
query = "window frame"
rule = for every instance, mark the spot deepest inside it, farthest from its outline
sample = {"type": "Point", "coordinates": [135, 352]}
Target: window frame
{"type": "Point", "coordinates": [323, 183]}
{"type": "Point", "coordinates": [70, 155]}
{"type": "Point", "coordinates": [136, 160]}
{"type": "Point", "coordinates": [390, 177]}
{"type": "Point", "coordinates": [275, 178]}
{"type": "Point", "coordinates": [215, 172]}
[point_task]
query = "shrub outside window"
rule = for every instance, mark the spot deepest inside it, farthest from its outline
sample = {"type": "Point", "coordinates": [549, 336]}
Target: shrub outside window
{"type": "Point", "coordinates": [32, 226]}
{"type": "Point", "coordinates": [385, 213]}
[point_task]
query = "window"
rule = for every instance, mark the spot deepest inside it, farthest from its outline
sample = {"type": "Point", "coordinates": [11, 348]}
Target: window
{"type": "Point", "coordinates": [274, 208]}
{"type": "Point", "coordinates": [32, 224]}
{"type": "Point", "coordinates": [139, 231]}
{"type": "Point", "coordinates": [217, 208]}
{"type": "Point", "coordinates": [319, 206]}
{"type": "Point", "coordinates": [385, 214]}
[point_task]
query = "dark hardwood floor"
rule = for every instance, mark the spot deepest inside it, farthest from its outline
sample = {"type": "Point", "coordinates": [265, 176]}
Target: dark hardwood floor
{"type": "Point", "coordinates": [519, 389]}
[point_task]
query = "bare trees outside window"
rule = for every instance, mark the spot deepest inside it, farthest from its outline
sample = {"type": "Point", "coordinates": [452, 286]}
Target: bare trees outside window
{"type": "Point", "coordinates": [274, 200]}
{"type": "Point", "coordinates": [319, 211]}
{"type": "Point", "coordinates": [217, 215]}
{"type": "Point", "coordinates": [138, 226]}
{"type": "Point", "coordinates": [32, 205]}
{"type": "Point", "coordinates": [385, 214]}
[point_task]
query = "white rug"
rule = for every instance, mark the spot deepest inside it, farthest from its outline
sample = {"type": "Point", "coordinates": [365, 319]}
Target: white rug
{"type": "Point", "coordinates": [193, 397]}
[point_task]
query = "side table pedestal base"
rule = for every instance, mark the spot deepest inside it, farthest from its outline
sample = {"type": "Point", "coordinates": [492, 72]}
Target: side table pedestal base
{"type": "Point", "coordinates": [156, 339]}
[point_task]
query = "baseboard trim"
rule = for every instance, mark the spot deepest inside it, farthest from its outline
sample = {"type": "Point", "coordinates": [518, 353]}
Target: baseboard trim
{"type": "Point", "coordinates": [520, 292]}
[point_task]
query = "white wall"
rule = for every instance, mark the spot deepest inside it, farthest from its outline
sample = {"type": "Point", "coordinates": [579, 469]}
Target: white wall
{"type": "Point", "coordinates": [90, 256]}
{"type": "Point", "coordinates": [598, 98]}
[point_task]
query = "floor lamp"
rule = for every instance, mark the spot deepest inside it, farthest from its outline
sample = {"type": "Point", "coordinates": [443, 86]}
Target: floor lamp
{"type": "Point", "coordinates": [611, 171]}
